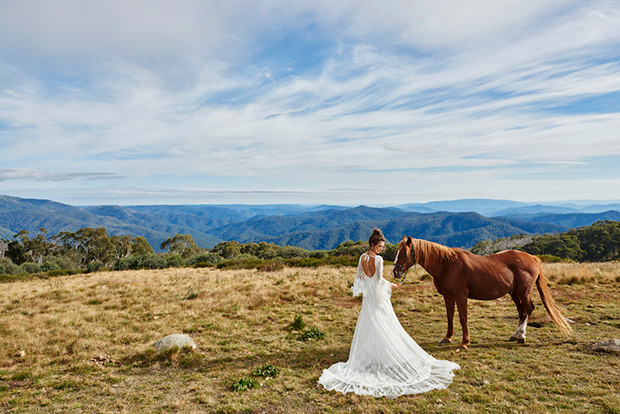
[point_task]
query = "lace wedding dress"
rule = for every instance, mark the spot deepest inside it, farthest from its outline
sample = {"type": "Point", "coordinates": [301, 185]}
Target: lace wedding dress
{"type": "Point", "coordinates": [384, 361]}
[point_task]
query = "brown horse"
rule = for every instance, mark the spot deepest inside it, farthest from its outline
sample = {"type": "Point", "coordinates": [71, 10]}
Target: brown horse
{"type": "Point", "coordinates": [459, 274]}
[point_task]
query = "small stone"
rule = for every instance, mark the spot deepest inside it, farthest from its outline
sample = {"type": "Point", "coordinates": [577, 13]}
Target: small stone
{"type": "Point", "coordinates": [174, 340]}
{"type": "Point", "coordinates": [21, 354]}
{"type": "Point", "coordinates": [610, 346]}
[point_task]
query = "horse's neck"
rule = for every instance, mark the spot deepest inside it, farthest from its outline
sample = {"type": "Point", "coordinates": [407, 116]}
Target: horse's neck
{"type": "Point", "coordinates": [430, 258]}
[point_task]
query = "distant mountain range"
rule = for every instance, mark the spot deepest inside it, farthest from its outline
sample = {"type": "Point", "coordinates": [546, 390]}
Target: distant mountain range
{"type": "Point", "coordinates": [460, 223]}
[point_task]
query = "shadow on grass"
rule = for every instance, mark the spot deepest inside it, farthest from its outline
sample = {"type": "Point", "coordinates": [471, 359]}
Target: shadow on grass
{"type": "Point", "coordinates": [307, 357]}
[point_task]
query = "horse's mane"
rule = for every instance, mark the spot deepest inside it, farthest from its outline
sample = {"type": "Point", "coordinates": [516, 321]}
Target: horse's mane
{"type": "Point", "coordinates": [428, 253]}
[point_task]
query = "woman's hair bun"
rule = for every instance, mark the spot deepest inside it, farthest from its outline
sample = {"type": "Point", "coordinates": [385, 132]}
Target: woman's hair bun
{"type": "Point", "coordinates": [376, 237]}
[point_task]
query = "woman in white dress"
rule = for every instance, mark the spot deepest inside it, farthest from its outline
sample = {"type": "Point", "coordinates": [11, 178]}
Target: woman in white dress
{"type": "Point", "coordinates": [384, 361]}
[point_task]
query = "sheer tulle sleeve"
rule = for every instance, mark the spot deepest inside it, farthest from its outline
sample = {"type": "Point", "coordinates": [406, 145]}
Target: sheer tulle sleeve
{"type": "Point", "coordinates": [383, 287]}
{"type": "Point", "coordinates": [360, 282]}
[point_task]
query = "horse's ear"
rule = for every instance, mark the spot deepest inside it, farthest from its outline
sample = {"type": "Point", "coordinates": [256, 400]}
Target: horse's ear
{"type": "Point", "coordinates": [409, 240]}
{"type": "Point", "coordinates": [403, 239]}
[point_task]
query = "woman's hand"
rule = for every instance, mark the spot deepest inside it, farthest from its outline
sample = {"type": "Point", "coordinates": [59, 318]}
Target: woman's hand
{"type": "Point", "coordinates": [394, 285]}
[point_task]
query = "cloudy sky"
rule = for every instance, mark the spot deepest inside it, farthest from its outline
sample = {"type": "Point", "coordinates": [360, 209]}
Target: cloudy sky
{"type": "Point", "coordinates": [343, 102]}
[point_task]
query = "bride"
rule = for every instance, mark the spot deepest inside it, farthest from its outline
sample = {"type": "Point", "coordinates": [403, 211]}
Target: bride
{"type": "Point", "coordinates": [384, 361]}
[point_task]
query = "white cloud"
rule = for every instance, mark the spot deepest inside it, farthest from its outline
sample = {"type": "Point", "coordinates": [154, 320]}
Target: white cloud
{"type": "Point", "coordinates": [415, 90]}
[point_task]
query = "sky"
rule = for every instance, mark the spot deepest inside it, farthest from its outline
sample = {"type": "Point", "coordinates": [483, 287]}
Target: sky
{"type": "Point", "coordinates": [323, 102]}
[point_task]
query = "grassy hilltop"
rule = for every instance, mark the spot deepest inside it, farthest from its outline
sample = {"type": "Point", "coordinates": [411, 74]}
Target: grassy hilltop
{"type": "Point", "coordinates": [82, 343]}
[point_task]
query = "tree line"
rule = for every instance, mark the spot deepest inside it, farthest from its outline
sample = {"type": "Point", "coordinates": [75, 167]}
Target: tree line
{"type": "Point", "coordinates": [91, 249]}
{"type": "Point", "coordinates": [599, 242]}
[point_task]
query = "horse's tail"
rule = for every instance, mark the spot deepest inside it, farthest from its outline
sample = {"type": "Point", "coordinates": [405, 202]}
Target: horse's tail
{"type": "Point", "coordinates": [545, 294]}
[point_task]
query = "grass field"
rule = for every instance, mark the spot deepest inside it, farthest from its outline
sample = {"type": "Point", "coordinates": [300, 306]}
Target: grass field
{"type": "Point", "coordinates": [83, 343]}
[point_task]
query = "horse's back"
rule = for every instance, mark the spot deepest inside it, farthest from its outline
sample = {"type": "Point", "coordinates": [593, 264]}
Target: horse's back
{"type": "Point", "coordinates": [494, 275]}
{"type": "Point", "coordinates": [516, 259]}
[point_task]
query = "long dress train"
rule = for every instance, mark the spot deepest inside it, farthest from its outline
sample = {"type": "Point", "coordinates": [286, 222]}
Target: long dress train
{"type": "Point", "coordinates": [384, 361]}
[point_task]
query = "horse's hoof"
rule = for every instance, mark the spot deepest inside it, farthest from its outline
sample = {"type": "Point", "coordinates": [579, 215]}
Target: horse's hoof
{"type": "Point", "coordinates": [462, 347]}
{"type": "Point", "coordinates": [513, 339]}
{"type": "Point", "coordinates": [521, 340]}
{"type": "Point", "coordinates": [445, 341]}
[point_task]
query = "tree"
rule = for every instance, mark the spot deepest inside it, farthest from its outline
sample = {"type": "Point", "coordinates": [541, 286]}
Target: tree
{"type": "Point", "coordinates": [139, 246]}
{"type": "Point", "coordinates": [121, 246]}
{"type": "Point", "coordinates": [181, 244]}
{"type": "Point", "coordinates": [94, 245]}
{"type": "Point", "coordinates": [36, 248]}
{"type": "Point", "coordinates": [16, 252]}
{"type": "Point", "coordinates": [4, 246]}
{"type": "Point", "coordinates": [228, 250]}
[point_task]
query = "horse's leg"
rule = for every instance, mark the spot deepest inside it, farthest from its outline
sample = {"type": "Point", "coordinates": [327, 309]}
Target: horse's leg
{"type": "Point", "coordinates": [450, 302]}
{"type": "Point", "coordinates": [461, 304]}
{"type": "Point", "coordinates": [524, 296]}
{"type": "Point", "coordinates": [518, 335]}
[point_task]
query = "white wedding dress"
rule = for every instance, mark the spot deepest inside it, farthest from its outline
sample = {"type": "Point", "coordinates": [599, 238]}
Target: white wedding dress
{"type": "Point", "coordinates": [384, 361]}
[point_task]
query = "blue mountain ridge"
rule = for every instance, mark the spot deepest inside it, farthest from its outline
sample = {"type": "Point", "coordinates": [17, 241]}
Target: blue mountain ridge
{"type": "Point", "coordinates": [310, 227]}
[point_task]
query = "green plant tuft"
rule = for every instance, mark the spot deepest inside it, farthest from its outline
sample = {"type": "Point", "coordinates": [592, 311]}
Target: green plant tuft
{"type": "Point", "coordinates": [297, 325]}
{"type": "Point", "coordinates": [244, 384]}
{"type": "Point", "coordinates": [311, 333]}
{"type": "Point", "coordinates": [266, 371]}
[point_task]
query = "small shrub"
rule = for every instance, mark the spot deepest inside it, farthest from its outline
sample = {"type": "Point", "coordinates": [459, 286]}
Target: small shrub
{"type": "Point", "coordinates": [7, 266]}
{"type": "Point", "coordinates": [143, 261]}
{"type": "Point", "coordinates": [205, 260]}
{"type": "Point", "coordinates": [297, 325]}
{"type": "Point", "coordinates": [266, 371]}
{"type": "Point", "coordinates": [191, 295]}
{"type": "Point", "coordinates": [311, 333]}
{"type": "Point", "coordinates": [174, 260]}
{"type": "Point", "coordinates": [29, 267]}
{"type": "Point", "coordinates": [49, 264]}
{"type": "Point", "coordinates": [94, 267]}
{"type": "Point", "coordinates": [549, 258]}
{"type": "Point", "coordinates": [244, 384]}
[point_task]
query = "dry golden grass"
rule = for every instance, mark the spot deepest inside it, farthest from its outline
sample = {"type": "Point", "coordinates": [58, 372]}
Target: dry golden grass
{"type": "Point", "coordinates": [86, 342]}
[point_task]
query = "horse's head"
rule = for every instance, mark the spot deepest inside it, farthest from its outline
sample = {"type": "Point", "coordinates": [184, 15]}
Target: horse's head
{"type": "Point", "coordinates": [405, 257]}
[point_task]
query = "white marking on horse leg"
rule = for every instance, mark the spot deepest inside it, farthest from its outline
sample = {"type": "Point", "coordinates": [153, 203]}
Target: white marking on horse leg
{"type": "Point", "coordinates": [520, 332]}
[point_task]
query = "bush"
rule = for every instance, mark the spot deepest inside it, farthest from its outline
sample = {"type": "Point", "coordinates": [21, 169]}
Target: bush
{"type": "Point", "coordinates": [7, 266]}
{"type": "Point", "coordinates": [144, 261]}
{"type": "Point", "coordinates": [28, 267]}
{"type": "Point", "coordinates": [94, 267]}
{"type": "Point", "coordinates": [174, 260]}
{"type": "Point", "coordinates": [318, 254]}
{"type": "Point", "coordinates": [549, 258]}
{"type": "Point", "coordinates": [289, 252]}
{"type": "Point", "coordinates": [52, 263]}
{"type": "Point", "coordinates": [49, 264]}
{"type": "Point", "coordinates": [205, 259]}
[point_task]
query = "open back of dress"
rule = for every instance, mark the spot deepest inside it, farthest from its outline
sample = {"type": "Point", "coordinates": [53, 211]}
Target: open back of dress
{"type": "Point", "coordinates": [384, 361]}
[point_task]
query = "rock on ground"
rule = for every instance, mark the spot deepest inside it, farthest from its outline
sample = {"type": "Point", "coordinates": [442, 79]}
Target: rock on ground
{"type": "Point", "coordinates": [611, 346]}
{"type": "Point", "coordinates": [174, 340]}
